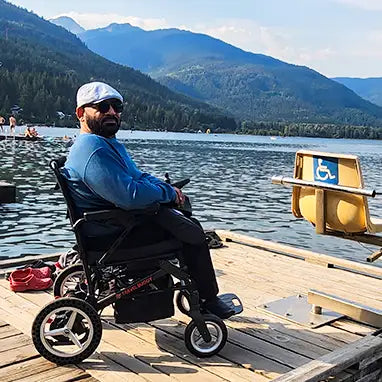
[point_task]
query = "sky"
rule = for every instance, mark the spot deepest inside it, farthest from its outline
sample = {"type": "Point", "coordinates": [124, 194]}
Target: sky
{"type": "Point", "coordinates": [338, 38]}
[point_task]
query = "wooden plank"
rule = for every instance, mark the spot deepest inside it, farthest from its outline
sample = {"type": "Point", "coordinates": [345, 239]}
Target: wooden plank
{"type": "Point", "coordinates": [8, 331]}
{"type": "Point", "coordinates": [57, 374]}
{"type": "Point", "coordinates": [13, 343]}
{"type": "Point", "coordinates": [106, 370]}
{"type": "Point", "coordinates": [25, 369]}
{"type": "Point", "coordinates": [287, 273]}
{"type": "Point", "coordinates": [150, 353]}
{"type": "Point", "coordinates": [266, 266]}
{"type": "Point", "coordinates": [99, 366]}
{"type": "Point", "coordinates": [22, 353]}
{"type": "Point", "coordinates": [302, 253]}
{"type": "Point", "coordinates": [240, 341]}
{"type": "Point", "coordinates": [349, 308]}
{"type": "Point", "coordinates": [232, 363]}
{"type": "Point", "coordinates": [247, 296]}
{"type": "Point", "coordinates": [335, 362]}
{"type": "Point", "coordinates": [139, 370]}
{"type": "Point", "coordinates": [353, 327]}
{"type": "Point", "coordinates": [40, 297]}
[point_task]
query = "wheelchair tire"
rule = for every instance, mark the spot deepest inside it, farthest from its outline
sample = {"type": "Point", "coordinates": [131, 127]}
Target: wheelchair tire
{"type": "Point", "coordinates": [195, 343]}
{"type": "Point", "coordinates": [78, 325]}
{"type": "Point", "coordinates": [65, 277]}
{"type": "Point", "coordinates": [181, 301]}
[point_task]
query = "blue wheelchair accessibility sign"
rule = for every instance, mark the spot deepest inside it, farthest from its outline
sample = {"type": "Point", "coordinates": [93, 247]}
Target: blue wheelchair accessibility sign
{"type": "Point", "coordinates": [325, 170]}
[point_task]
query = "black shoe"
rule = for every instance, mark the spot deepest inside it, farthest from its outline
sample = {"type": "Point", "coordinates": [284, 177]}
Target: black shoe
{"type": "Point", "coordinates": [218, 307]}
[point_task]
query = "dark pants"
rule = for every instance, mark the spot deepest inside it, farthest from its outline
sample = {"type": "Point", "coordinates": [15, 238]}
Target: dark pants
{"type": "Point", "coordinates": [195, 248]}
{"type": "Point", "coordinates": [166, 223]}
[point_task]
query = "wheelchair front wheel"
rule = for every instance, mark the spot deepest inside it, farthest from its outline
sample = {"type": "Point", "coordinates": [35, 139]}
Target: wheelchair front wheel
{"type": "Point", "coordinates": [195, 342]}
{"type": "Point", "coordinates": [182, 303]}
{"type": "Point", "coordinates": [67, 331]}
{"type": "Point", "coordinates": [69, 280]}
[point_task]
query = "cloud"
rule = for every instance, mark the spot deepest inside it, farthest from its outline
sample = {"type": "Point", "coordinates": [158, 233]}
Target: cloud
{"type": "Point", "coordinates": [277, 42]}
{"type": "Point", "coordinates": [96, 20]}
{"type": "Point", "coordinates": [370, 5]}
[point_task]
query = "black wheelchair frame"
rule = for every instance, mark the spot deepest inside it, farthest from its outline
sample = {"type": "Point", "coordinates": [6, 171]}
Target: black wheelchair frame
{"type": "Point", "coordinates": [164, 264]}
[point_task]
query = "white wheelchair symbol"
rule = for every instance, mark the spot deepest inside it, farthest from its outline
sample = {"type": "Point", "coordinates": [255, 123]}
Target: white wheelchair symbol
{"type": "Point", "coordinates": [323, 169]}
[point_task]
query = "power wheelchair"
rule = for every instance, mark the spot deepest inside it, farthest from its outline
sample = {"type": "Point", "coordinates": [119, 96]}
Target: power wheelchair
{"type": "Point", "coordinates": [138, 282]}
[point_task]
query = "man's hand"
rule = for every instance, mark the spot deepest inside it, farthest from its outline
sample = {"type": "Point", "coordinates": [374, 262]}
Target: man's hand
{"type": "Point", "coordinates": [180, 198]}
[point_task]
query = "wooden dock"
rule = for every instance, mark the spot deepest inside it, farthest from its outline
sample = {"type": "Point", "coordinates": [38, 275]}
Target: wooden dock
{"type": "Point", "coordinates": [261, 347]}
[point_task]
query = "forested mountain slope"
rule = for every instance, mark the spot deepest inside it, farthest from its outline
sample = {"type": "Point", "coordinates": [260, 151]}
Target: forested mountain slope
{"type": "Point", "coordinates": [368, 88]}
{"type": "Point", "coordinates": [42, 65]}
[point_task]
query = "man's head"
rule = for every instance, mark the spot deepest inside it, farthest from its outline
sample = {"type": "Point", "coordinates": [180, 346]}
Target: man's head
{"type": "Point", "coordinates": [99, 108]}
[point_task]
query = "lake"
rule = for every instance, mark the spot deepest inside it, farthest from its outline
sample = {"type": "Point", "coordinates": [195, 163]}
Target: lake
{"type": "Point", "coordinates": [230, 186]}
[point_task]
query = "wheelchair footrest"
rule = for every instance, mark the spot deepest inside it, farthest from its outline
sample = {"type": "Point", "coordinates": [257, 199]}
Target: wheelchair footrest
{"type": "Point", "coordinates": [232, 301]}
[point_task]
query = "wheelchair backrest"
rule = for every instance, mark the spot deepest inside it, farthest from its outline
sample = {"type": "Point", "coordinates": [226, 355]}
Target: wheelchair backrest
{"type": "Point", "coordinates": [56, 165]}
{"type": "Point", "coordinates": [344, 212]}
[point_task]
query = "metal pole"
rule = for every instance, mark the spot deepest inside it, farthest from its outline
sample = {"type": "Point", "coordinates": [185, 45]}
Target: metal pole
{"type": "Point", "coordinates": [321, 185]}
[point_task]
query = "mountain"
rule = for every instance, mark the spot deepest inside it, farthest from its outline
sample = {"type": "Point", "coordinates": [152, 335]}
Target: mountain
{"type": "Point", "coordinates": [68, 23]}
{"type": "Point", "coordinates": [42, 65]}
{"type": "Point", "coordinates": [250, 86]}
{"type": "Point", "coordinates": [368, 88]}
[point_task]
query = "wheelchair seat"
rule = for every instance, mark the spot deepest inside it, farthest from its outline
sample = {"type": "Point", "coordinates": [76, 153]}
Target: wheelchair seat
{"type": "Point", "coordinates": [165, 249]}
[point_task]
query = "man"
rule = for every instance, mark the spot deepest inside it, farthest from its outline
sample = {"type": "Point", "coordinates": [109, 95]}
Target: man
{"type": "Point", "coordinates": [101, 175]}
{"type": "Point", "coordinates": [12, 125]}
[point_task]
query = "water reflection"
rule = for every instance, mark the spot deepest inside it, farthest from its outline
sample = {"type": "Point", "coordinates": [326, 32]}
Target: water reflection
{"type": "Point", "coordinates": [230, 188]}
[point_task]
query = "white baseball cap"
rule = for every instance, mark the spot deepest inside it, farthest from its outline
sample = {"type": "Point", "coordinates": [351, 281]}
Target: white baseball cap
{"type": "Point", "coordinates": [95, 92]}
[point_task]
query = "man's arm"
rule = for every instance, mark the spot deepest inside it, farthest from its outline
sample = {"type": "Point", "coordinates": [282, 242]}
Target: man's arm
{"type": "Point", "coordinates": [105, 176]}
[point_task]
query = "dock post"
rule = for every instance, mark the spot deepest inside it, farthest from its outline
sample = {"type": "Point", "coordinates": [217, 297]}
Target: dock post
{"type": "Point", "coordinates": [7, 192]}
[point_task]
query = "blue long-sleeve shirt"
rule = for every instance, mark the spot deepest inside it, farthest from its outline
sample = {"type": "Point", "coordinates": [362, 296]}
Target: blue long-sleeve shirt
{"type": "Point", "coordinates": [101, 174]}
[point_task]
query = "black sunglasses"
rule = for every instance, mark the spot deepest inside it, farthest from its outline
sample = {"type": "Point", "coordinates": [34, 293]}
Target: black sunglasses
{"type": "Point", "coordinates": [104, 106]}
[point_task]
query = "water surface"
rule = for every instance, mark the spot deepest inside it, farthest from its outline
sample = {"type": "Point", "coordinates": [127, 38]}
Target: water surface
{"type": "Point", "coordinates": [230, 187]}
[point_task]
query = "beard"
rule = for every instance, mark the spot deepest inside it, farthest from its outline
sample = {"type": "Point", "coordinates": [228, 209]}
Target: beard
{"type": "Point", "coordinates": [106, 126]}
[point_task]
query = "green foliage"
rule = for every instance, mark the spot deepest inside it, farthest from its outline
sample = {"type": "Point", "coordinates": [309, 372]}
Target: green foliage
{"type": "Point", "coordinates": [314, 130]}
{"type": "Point", "coordinates": [284, 93]}
{"type": "Point", "coordinates": [42, 66]}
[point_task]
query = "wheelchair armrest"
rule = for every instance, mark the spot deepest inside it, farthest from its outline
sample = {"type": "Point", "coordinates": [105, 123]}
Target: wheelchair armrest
{"type": "Point", "coordinates": [119, 214]}
{"type": "Point", "coordinates": [100, 215]}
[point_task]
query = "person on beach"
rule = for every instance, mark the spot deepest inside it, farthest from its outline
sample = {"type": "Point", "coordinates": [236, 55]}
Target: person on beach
{"type": "Point", "coordinates": [2, 122]}
{"type": "Point", "coordinates": [12, 125]}
{"type": "Point", "coordinates": [101, 174]}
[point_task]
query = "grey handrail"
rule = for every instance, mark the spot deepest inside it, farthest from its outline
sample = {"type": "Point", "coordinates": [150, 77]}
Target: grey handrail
{"type": "Point", "coordinates": [284, 180]}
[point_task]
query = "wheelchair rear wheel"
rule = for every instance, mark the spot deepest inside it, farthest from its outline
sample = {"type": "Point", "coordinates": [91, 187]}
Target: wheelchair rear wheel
{"type": "Point", "coordinates": [195, 342]}
{"type": "Point", "coordinates": [67, 331]}
{"type": "Point", "coordinates": [69, 280]}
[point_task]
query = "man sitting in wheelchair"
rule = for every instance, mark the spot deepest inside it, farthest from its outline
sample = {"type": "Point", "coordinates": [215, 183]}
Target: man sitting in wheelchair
{"type": "Point", "coordinates": [101, 175]}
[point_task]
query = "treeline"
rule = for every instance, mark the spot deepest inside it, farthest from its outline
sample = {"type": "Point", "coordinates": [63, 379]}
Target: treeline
{"type": "Point", "coordinates": [310, 130]}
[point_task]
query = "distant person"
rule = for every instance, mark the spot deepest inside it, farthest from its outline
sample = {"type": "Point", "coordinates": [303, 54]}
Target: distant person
{"type": "Point", "coordinates": [28, 133]}
{"type": "Point", "coordinates": [12, 125]}
{"type": "Point", "coordinates": [34, 132]}
{"type": "Point", "coordinates": [2, 122]}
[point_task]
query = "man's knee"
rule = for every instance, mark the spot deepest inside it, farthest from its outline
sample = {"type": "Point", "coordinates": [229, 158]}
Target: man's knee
{"type": "Point", "coordinates": [181, 227]}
